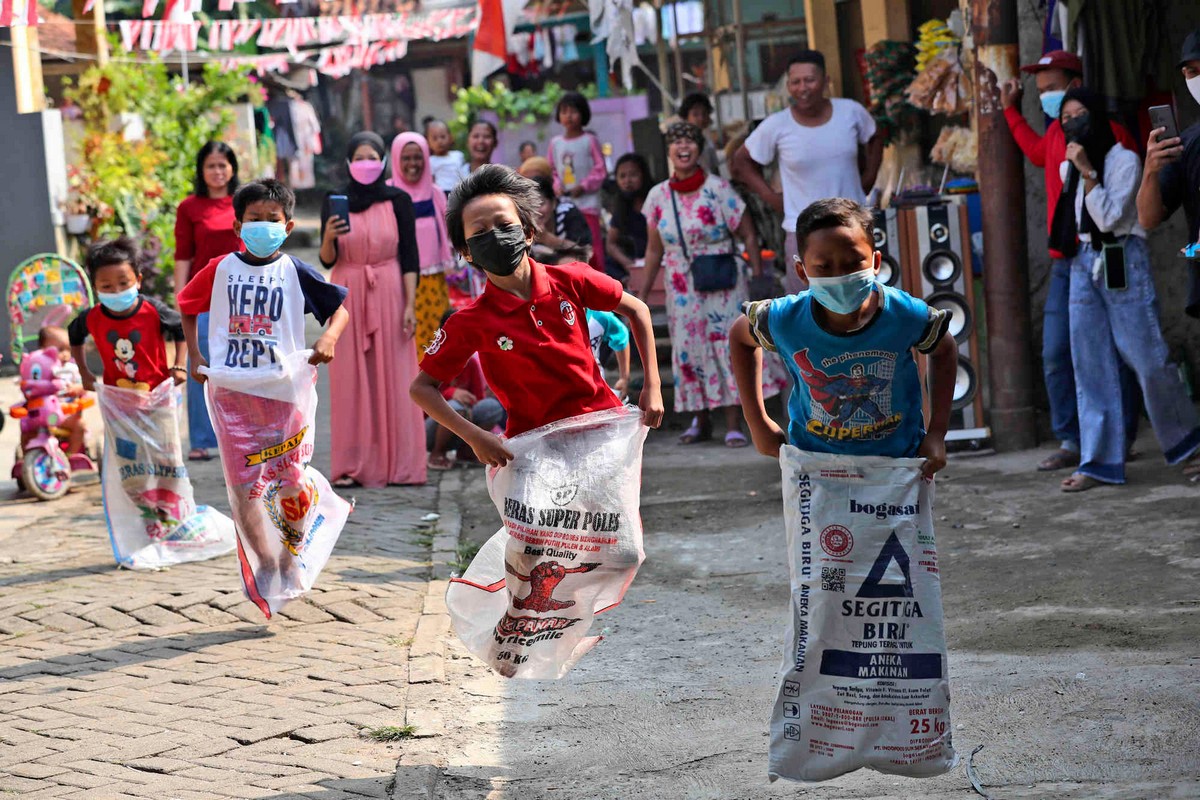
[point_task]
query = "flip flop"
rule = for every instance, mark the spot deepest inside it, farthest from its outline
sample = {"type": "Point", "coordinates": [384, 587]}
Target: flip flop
{"type": "Point", "coordinates": [1060, 460]}
{"type": "Point", "coordinates": [1079, 483]}
{"type": "Point", "coordinates": [199, 454]}
{"type": "Point", "coordinates": [344, 482]}
{"type": "Point", "coordinates": [439, 463]}
{"type": "Point", "coordinates": [696, 433]}
{"type": "Point", "coordinates": [736, 439]}
{"type": "Point", "coordinates": [1191, 468]}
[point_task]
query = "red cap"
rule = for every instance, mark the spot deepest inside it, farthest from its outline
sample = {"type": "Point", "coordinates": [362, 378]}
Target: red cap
{"type": "Point", "coordinates": [1056, 59]}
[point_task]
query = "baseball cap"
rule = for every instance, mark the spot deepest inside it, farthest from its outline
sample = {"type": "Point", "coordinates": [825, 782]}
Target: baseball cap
{"type": "Point", "coordinates": [1058, 59]}
{"type": "Point", "coordinates": [1191, 48]}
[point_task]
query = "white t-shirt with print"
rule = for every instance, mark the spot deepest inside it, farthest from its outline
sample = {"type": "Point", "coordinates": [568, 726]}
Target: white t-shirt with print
{"type": "Point", "coordinates": [257, 311]}
{"type": "Point", "coordinates": [814, 163]}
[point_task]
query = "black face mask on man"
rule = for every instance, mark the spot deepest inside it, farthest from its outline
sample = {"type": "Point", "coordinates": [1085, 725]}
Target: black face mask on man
{"type": "Point", "coordinates": [500, 250]}
{"type": "Point", "coordinates": [1077, 128]}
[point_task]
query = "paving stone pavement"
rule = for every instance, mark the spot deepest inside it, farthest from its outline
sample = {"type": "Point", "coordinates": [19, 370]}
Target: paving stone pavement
{"type": "Point", "coordinates": [170, 684]}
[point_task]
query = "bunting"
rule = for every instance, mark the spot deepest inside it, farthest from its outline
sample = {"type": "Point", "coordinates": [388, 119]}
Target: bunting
{"type": "Point", "coordinates": [295, 33]}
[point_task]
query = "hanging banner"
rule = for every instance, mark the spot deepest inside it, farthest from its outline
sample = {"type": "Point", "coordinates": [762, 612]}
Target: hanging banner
{"type": "Point", "coordinates": [295, 33]}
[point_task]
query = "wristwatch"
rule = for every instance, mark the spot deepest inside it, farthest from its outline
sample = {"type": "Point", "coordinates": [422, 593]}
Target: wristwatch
{"type": "Point", "coordinates": [1092, 175]}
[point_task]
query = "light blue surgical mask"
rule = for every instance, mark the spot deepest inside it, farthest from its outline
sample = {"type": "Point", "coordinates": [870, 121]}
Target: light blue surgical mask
{"type": "Point", "coordinates": [262, 239]}
{"type": "Point", "coordinates": [844, 294]}
{"type": "Point", "coordinates": [118, 302]}
{"type": "Point", "coordinates": [1052, 102]}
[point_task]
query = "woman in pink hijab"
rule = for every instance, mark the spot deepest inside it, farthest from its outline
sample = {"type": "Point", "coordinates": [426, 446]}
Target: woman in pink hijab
{"type": "Point", "coordinates": [410, 172]}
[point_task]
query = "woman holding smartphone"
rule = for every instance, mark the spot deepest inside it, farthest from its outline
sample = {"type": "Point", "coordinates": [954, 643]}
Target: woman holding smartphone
{"type": "Point", "coordinates": [378, 433]}
{"type": "Point", "coordinates": [1113, 306]}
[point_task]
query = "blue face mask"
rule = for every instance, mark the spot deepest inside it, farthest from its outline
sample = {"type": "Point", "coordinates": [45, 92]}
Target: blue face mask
{"type": "Point", "coordinates": [262, 239]}
{"type": "Point", "coordinates": [1052, 102]}
{"type": "Point", "coordinates": [118, 302]}
{"type": "Point", "coordinates": [844, 294]}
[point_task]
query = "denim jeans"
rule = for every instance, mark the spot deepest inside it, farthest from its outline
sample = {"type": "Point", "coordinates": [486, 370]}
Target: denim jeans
{"type": "Point", "coordinates": [200, 429]}
{"type": "Point", "coordinates": [1060, 372]}
{"type": "Point", "coordinates": [1108, 327]}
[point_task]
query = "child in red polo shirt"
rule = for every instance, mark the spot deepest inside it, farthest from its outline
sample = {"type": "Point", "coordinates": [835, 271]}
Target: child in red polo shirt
{"type": "Point", "coordinates": [528, 326]}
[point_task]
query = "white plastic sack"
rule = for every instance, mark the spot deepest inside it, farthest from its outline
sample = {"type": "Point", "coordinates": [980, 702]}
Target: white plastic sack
{"type": "Point", "coordinates": [864, 680]}
{"type": "Point", "coordinates": [570, 546]}
{"type": "Point", "coordinates": [287, 515]}
{"type": "Point", "coordinates": [152, 517]}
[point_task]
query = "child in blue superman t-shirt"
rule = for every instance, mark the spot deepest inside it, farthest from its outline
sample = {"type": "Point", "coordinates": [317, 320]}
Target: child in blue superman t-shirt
{"type": "Point", "coordinates": [847, 343]}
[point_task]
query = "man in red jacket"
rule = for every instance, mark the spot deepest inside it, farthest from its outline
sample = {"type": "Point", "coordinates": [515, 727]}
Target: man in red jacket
{"type": "Point", "coordinates": [1055, 73]}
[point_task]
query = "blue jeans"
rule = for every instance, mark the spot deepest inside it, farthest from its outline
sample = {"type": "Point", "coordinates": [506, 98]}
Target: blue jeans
{"type": "Point", "coordinates": [200, 429]}
{"type": "Point", "coordinates": [1060, 372]}
{"type": "Point", "coordinates": [1108, 327]}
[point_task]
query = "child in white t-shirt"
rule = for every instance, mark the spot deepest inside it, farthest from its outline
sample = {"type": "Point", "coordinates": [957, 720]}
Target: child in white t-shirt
{"type": "Point", "coordinates": [447, 166]}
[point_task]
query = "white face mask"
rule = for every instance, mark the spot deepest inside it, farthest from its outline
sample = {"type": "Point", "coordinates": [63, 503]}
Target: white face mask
{"type": "Point", "coordinates": [1193, 85]}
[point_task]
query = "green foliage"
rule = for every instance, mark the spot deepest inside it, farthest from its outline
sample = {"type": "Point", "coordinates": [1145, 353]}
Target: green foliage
{"type": "Point", "coordinates": [522, 107]}
{"type": "Point", "coordinates": [391, 733]}
{"type": "Point", "coordinates": [134, 187]}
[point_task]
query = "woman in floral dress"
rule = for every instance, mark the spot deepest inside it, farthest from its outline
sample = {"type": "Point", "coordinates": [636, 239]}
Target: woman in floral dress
{"type": "Point", "coordinates": [710, 214]}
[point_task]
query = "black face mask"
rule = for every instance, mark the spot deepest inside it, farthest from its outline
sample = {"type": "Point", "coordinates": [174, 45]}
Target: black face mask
{"type": "Point", "coordinates": [1076, 129]}
{"type": "Point", "coordinates": [498, 251]}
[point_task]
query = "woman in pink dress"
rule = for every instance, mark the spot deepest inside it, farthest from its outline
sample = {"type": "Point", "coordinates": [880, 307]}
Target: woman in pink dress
{"type": "Point", "coordinates": [378, 433]}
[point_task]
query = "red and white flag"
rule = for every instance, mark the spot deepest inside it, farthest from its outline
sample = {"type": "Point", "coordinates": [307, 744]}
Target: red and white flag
{"type": "Point", "coordinates": [497, 18]}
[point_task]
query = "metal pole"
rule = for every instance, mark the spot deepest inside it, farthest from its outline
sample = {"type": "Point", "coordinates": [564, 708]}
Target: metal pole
{"type": "Point", "coordinates": [994, 28]}
{"type": "Point", "coordinates": [678, 55]}
{"type": "Point", "coordinates": [739, 47]}
{"type": "Point", "coordinates": [660, 48]}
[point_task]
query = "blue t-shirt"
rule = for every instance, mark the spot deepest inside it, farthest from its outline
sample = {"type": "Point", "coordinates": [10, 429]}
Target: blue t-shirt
{"type": "Point", "coordinates": [604, 328]}
{"type": "Point", "coordinates": [857, 393]}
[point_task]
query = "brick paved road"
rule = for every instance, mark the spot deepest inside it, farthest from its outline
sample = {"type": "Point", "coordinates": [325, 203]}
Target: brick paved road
{"type": "Point", "coordinates": [169, 684]}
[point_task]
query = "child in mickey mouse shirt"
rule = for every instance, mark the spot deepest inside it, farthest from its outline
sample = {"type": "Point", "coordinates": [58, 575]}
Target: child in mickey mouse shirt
{"type": "Point", "coordinates": [130, 329]}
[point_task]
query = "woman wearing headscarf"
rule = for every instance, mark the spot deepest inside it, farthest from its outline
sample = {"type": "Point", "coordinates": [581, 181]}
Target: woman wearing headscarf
{"type": "Point", "coordinates": [692, 215]}
{"type": "Point", "coordinates": [378, 433]}
{"type": "Point", "coordinates": [411, 173]}
{"type": "Point", "coordinates": [1113, 305]}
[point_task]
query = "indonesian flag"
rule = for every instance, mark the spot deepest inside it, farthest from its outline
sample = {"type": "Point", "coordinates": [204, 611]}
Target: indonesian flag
{"type": "Point", "coordinates": [496, 21]}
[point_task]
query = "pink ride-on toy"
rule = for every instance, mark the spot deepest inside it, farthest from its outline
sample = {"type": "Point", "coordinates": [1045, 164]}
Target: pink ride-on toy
{"type": "Point", "coordinates": [45, 289]}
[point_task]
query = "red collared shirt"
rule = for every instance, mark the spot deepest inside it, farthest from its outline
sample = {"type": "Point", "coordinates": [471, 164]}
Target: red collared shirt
{"type": "Point", "coordinates": [535, 353]}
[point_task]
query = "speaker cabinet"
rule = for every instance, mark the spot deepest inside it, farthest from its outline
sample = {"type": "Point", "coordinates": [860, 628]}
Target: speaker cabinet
{"type": "Point", "coordinates": [937, 269]}
{"type": "Point", "coordinates": [889, 245]}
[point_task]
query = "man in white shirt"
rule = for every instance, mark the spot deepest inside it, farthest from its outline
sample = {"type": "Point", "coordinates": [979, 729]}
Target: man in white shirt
{"type": "Point", "coordinates": [826, 147]}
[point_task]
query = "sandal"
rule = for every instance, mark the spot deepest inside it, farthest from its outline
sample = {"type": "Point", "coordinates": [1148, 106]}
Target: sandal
{"type": "Point", "coordinates": [345, 482]}
{"type": "Point", "coordinates": [1191, 468]}
{"type": "Point", "coordinates": [696, 433]}
{"type": "Point", "coordinates": [439, 463]}
{"type": "Point", "coordinates": [736, 439]}
{"type": "Point", "coordinates": [1060, 460]}
{"type": "Point", "coordinates": [1078, 482]}
{"type": "Point", "coordinates": [199, 454]}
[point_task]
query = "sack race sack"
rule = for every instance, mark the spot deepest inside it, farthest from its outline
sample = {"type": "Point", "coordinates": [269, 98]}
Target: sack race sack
{"type": "Point", "coordinates": [153, 520]}
{"type": "Point", "coordinates": [286, 514]}
{"type": "Point", "coordinates": [864, 681]}
{"type": "Point", "coordinates": [570, 546]}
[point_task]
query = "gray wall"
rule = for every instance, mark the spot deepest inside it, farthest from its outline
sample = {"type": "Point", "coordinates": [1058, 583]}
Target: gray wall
{"type": "Point", "coordinates": [25, 224]}
{"type": "Point", "coordinates": [1182, 332]}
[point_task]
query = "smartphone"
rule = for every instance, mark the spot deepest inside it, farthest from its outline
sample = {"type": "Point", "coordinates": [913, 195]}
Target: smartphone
{"type": "Point", "coordinates": [1115, 279]}
{"type": "Point", "coordinates": [339, 206]}
{"type": "Point", "coordinates": [1163, 117]}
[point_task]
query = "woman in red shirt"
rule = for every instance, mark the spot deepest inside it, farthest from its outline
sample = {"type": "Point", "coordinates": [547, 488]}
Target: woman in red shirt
{"type": "Point", "coordinates": [204, 231]}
